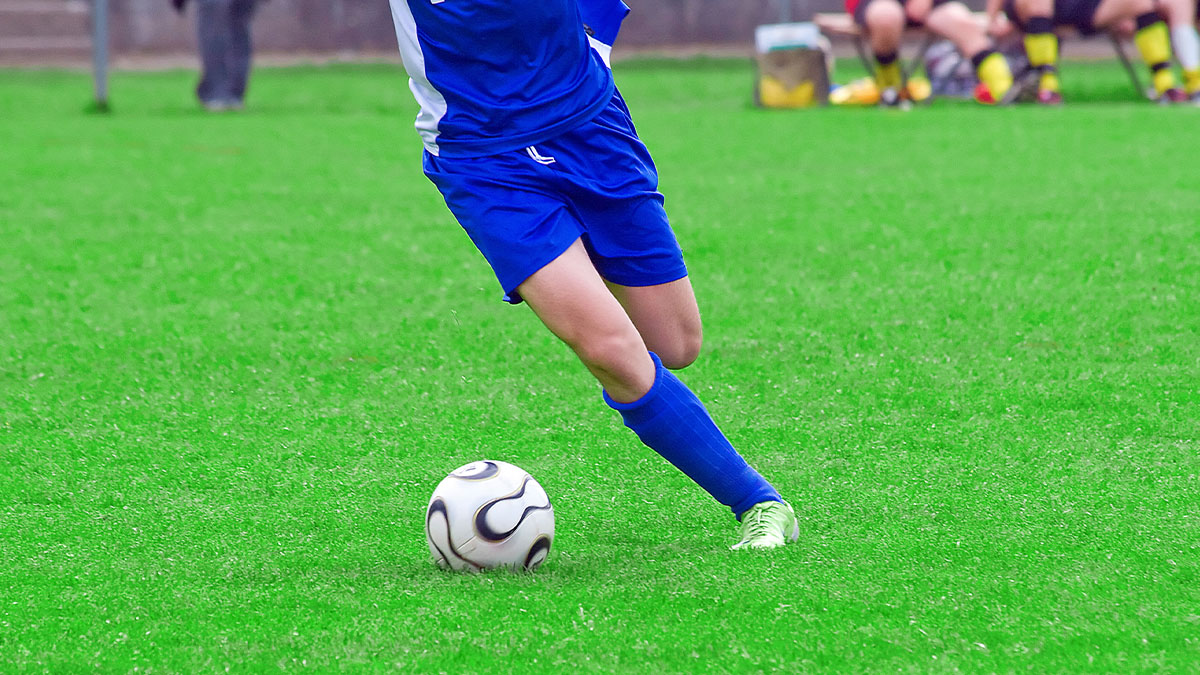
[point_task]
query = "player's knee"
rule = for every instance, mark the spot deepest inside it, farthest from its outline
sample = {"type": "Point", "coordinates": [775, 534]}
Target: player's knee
{"type": "Point", "coordinates": [884, 16]}
{"type": "Point", "coordinates": [682, 352]}
{"type": "Point", "coordinates": [610, 352]}
{"type": "Point", "coordinates": [955, 15]}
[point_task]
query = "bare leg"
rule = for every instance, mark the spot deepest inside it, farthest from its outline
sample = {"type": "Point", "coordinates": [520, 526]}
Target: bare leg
{"type": "Point", "coordinates": [572, 300]}
{"type": "Point", "coordinates": [885, 25]}
{"type": "Point", "coordinates": [569, 296]}
{"type": "Point", "coordinates": [1110, 12]}
{"type": "Point", "coordinates": [954, 22]}
{"type": "Point", "coordinates": [1027, 9]}
{"type": "Point", "coordinates": [667, 317]}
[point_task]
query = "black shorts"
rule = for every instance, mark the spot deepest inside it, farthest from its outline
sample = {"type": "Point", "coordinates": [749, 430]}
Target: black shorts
{"type": "Point", "coordinates": [860, 12]}
{"type": "Point", "coordinates": [1078, 14]}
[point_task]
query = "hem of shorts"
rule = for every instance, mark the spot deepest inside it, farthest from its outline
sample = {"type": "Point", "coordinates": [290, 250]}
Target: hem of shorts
{"type": "Point", "coordinates": [449, 149]}
{"type": "Point", "coordinates": [675, 274]}
{"type": "Point", "coordinates": [511, 296]}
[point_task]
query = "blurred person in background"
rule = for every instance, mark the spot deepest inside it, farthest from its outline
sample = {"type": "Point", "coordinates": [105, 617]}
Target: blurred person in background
{"type": "Point", "coordinates": [1038, 20]}
{"type": "Point", "coordinates": [223, 34]}
{"type": "Point", "coordinates": [1181, 18]}
{"type": "Point", "coordinates": [884, 22]}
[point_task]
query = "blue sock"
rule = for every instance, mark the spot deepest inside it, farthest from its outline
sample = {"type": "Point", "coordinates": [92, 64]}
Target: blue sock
{"type": "Point", "coordinates": [673, 422]}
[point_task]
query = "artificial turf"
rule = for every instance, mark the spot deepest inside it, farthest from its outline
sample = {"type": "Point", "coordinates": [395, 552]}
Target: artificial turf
{"type": "Point", "coordinates": [237, 352]}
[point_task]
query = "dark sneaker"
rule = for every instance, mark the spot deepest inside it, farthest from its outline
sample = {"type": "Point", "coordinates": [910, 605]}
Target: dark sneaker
{"type": "Point", "coordinates": [1024, 89]}
{"type": "Point", "coordinates": [1172, 95]}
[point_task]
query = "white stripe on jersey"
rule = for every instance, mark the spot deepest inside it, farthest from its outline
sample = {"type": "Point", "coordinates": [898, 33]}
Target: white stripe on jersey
{"type": "Point", "coordinates": [433, 104]}
{"type": "Point", "coordinates": [605, 51]}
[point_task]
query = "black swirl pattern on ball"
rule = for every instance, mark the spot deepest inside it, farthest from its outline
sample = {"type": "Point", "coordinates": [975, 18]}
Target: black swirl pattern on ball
{"type": "Point", "coordinates": [490, 469]}
{"type": "Point", "coordinates": [439, 506]}
{"type": "Point", "coordinates": [486, 532]}
{"type": "Point", "coordinates": [542, 544]}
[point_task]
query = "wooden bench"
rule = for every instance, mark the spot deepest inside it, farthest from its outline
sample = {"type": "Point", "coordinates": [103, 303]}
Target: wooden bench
{"type": "Point", "coordinates": [839, 24]}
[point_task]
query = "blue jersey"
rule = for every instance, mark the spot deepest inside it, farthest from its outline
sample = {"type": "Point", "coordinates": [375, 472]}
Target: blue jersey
{"type": "Point", "coordinates": [602, 21]}
{"type": "Point", "coordinates": [498, 75]}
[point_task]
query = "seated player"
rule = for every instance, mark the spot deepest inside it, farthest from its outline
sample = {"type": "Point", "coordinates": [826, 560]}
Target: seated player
{"type": "Point", "coordinates": [1181, 19]}
{"type": "Point", "coordinates": [1038, 19]}
{"type": "Point", "coordinates": [535, 154]}
{"type": "Point", "coordinates": [884, 21]}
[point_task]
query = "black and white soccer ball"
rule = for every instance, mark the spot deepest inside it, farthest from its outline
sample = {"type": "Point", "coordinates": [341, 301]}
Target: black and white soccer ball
{"type": "Point", "coordinates": [488, 515]}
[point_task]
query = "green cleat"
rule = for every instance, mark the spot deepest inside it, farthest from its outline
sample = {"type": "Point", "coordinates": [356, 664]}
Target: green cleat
{"type": "Point", "coordinates": [768, 525]}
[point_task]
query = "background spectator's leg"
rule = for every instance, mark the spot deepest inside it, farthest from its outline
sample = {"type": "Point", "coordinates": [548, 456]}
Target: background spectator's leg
{"type": "Point", "coordinates": [954, 22]}
{"type": "Point", "coordinates": [1152, 38]}
{"type": "Point", "coordinates": [212, 32]}
{"type": "Point", "coordinates": [1041, 45]}
{"type": "Point", "coordinates": [884, 23]}
{"type": "Point", "coordinates": [240, 46]}
{"type": "Point", "coordinates": [1181, 17]}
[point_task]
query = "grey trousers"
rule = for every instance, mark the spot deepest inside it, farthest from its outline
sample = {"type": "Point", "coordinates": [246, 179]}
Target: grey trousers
{"type": "Point", "coordinates": [223, 31]}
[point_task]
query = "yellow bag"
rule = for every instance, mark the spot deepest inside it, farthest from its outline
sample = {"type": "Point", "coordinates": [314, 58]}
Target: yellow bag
{"type": "Point", "coordinates": [793, 66]}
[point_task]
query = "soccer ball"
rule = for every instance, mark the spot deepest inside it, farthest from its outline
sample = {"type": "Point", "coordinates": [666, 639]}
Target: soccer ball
{"type": "Point", "coordinates": [486, 515]}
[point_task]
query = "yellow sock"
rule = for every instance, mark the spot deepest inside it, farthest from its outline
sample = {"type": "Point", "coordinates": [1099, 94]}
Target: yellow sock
{"type": "Point", "coordinates": [1163, 79]}
{"type": "Point", "coordinates": [1191, 79]}
{"type": "Point", "coordinates": [994, 73]}
{"type": "Point", "coordinates": [888, 75]}
{"type": "Point", "coordinates": [1049, 81]}
{"type": "Point", "coordinates": [1042, 49]}
{"type": "Point", "coordinates": [1154, 43]}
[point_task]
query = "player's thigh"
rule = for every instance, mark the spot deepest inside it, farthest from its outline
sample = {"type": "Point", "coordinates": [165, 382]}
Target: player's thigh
{"type": "Point", "coordinates": [667, 317]}
{"type": "Point", "coordinates": [883, 20]}
{"type": "Point", "coordinates": [1177, 12]}
{"type": "Point", "coordinates": [636, 253]}
{"type": "Point", "coordinates": [571, 299]}
{"type": "Point", "coordinates": [1108, 12]}
{"type": "Point", "coordinates": [1023, 10]}
{"type": "Point", "coordinates": [953, 21]}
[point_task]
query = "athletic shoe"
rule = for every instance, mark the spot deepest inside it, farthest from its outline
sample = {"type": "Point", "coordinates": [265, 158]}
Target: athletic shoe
{"type": "Point", "coordinates": [768, 525]}
{"type": "Point", "coordinates": [893, 98]}
{"type": "Point", "coordinates": [1024, 88]}
{"type": "Point", "coordinates": [1172, 95]}
{"type": "Point", "coordinates": [1049, 97]}
{"type": "Point", "coordinates": [984, 95]}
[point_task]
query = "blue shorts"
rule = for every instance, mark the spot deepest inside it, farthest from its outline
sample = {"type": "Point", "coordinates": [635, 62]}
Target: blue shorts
{"type": "Point", "coordinates": [524, 208]}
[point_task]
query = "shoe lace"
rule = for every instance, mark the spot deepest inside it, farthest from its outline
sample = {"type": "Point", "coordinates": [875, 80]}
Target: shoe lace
{"type": "Point", "coordinates": [754, 524]}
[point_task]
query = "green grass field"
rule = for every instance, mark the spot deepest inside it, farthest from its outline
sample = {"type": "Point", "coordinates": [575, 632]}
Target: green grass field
{"type": "Point", "coordinates": [237, 353]}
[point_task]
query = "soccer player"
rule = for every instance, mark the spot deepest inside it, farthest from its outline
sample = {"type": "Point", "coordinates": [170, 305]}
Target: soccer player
{"type": "Point", "coordinates": [884, 21]}
{"type": "Point", "coordinates": [535, 154]}
{"type": "Point", "coordinates": [1181, 18]}
{"type": "Point", "coordinates": [1038, 19]}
